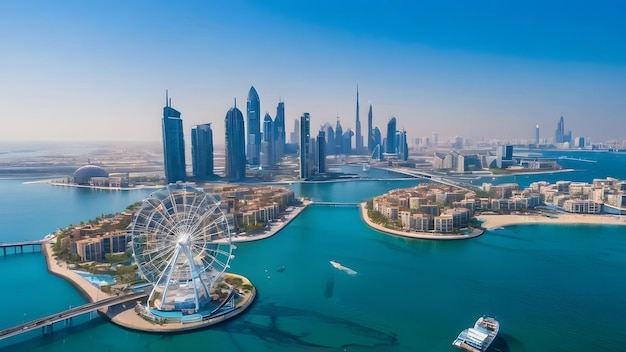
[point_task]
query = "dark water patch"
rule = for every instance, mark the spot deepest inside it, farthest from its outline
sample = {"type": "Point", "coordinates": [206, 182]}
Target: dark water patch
{"type": "Point", "coordinates": [278, 319]}
{"type": "Point", "coordinates": [330, 286]}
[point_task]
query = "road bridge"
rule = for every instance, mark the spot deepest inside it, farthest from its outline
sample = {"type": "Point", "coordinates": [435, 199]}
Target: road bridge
{"type": "Point", "coordinates": [68, 314]}
{"type": "Point", "coordinates": [336, 204]}
{"type": "Point", "coordinates": [434, 178]}
{"type": "Point", "coordinates": [21, 245]}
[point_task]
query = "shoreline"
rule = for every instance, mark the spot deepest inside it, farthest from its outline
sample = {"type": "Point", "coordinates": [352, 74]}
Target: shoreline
{"type": "Point", "coordinates": [414, 235]}
{"type": "Point", "coordinates": [491, 221]}
{"type": "Point", "coordinates": [59, 268]}
{"type": "Point", "coordinates": [275, 226]}
{"type": "Point", "coordinates": [104, 188]}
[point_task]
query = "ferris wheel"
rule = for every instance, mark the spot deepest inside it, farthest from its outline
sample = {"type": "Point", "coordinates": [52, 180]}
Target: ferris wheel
{"type": "Point", "coordinates": [181, 244]}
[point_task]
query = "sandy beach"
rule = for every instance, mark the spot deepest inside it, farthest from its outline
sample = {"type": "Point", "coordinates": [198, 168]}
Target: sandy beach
{"type": "Point", "coordinates": [416, 235]}
{"type": "Point", "coordinates": [495, 221]}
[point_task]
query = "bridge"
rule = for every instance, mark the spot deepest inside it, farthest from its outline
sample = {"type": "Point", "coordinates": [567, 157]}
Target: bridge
{"type": "Point", "coordinates": [67, 315]}
{"type": "Point", "coordinates": [434, 178]}
{"type": "Point", "coordinates": [336, 204]}
{"type": "Point", "coordinates": [21, 246]}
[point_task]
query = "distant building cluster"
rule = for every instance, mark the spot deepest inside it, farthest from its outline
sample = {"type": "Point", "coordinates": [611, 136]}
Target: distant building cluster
{"type": "Point", "coordinates": [602, 196]}
{"type": "Point", "coordinates": [260, 142]}
{"type": "Point", "coordinates": [502, 158]}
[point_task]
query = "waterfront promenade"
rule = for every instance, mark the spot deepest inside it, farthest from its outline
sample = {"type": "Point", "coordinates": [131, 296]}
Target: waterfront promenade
{"type": "Point", "coordinates": [495, 221]}
{"type": "Point", "coordinates": [413, 234]}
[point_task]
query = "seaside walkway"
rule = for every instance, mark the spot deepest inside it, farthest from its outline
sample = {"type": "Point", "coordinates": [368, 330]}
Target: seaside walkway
{"type": "Point", "coordinates": [67, 315]}
{"type": "Point", "coordinates": [21, 245]}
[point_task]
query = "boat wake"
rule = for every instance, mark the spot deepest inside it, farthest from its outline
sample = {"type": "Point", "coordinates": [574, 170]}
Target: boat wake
{"type": "Point", "coordinates": [345, 269]}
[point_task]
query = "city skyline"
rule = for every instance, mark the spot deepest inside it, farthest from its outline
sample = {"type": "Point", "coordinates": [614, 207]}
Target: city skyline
{"type": "Point", "coordinates": [473, 70]}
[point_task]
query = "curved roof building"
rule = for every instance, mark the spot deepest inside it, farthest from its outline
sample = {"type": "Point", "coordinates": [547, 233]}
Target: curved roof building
{"type": "Point", "coordinates": [83, 174]}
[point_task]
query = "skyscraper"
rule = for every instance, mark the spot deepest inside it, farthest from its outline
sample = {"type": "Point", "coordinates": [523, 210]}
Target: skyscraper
{"type": "Point", "coordinates": [377, 152]}
{"type": "Point", "coordinates": [305, 137]}
{"type": "Point", "coordinates": [173, 143]}
{"type": "Point", "coordinates": [267, 143]}
{"type": "Point", "coordinates": [330, 138]}
{"type": "Point", "coordinates": [321, 152]}
{"type": "Point", "coordinates": [338, 138]}
{"type": "Point", "coordinates": [279, 132]}
{"type": "Point", "coordinates": [402, 146]}
{"type": "Point", "coordinates": [202, 151]}
{"type": "Point", "coordinates": [370, 137]}
{"type": "Point", "coordinates": [359, 138]}
{"type": "Point", "coordinates": [295, 138]}
{"type": "Point", "coordinates": [346, 142]}
{"type": "Point", "coordinates": [390, 148]}
{"type": "Point", "coordinates": [560, 131]}
{"type": "Point", "coordinates": [235, 144]}
{"type": "Point", "coordinates": [253, 114]}
{"type": "Point", "coordinates": [537, 135]}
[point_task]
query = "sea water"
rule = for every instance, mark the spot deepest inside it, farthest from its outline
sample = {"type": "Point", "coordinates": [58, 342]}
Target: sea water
{"type": "Point", "coordinates": [551, 287]}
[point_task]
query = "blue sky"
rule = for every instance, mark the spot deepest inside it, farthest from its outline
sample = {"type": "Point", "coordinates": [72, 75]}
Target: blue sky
{"type": "Point", "coordinates": [98, 70]}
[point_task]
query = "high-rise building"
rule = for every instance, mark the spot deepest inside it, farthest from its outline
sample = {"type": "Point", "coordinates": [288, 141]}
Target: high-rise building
{"type": "Point", "coordinates": [202, 151]}
{"type": "Point", "coordinates": [253, 114]}
{"type": "Point", "coordinates": [359, 137]}
{"type": "Point", "coordinates": [370, 137]}
{"type": "Point", "coordinates": [435, 139]}
{"type": "Point", "coordinates": [267, 143]}
{"type": "Point", "coordinates": [295, 136]}
{"type": "Point", "coordinates": [321, 152]}
{"type": "Point", "coordinates": [305, 139]}
{"type": "Point", "coordinates": [390, 147]}
{"type": "Point", "coordinates": [173, 143]}
{"type": "Point", "coordinates": [338, 138]}
{"type": "Point", "coordinates": [537, 135]}
{"type": "Point", "coordinates": [346, 143]}
{"type": "Point", "coordinates": [559, 135]}
{"type": "Point", "coordinates": [378, 144]}
{"type": "Point", "coordinates": [279, 132]}
{"type": "Point", "coordinates": [330, 138]}
{"type": "Point", "coordinates": [403, 146]}
{"type": "Point", "coordinates": [235, 145]}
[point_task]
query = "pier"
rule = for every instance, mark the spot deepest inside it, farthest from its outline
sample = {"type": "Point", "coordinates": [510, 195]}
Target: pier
{"type": "Point", "coordinates": [21, 245]}
{"type": "Point", "coordinates": [46, 323]}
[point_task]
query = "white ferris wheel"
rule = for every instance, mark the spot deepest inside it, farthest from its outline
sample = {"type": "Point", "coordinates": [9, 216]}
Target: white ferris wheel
{"type": "Point", "coordinates": [181, 244]}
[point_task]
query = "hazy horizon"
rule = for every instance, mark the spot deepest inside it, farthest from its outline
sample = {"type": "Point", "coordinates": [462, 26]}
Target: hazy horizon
{"type": "Point", "coordinates": [98, 71]}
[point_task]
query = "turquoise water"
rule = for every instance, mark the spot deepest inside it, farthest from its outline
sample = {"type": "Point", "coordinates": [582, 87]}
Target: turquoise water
{"type": "Point", "coordinates": [553, 288]}
{"type": "Point", "coordinates": [97, 280]}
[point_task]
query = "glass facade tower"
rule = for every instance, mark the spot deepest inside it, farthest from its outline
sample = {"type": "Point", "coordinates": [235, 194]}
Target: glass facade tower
{"type": "Point", "coordinates": [235, 145]}
{"type": "Point", "coordinates": [202, 151]}
{"type": "Point", "coordinates": [173, 144]}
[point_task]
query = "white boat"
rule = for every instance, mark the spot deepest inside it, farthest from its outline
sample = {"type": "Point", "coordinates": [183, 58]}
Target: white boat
{"type": "Point", "coordinates": [480, 337]}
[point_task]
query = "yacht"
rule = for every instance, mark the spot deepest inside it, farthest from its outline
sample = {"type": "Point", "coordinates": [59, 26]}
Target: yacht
{"type": "Point", "coordinates": [480, 337]}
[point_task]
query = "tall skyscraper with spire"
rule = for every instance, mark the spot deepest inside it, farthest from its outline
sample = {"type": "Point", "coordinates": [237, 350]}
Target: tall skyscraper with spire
{"type": "Point", "coordinates": [173, 143]}
{"type": "Point", "coordinates": [359, 137]}
{"type": "Point", "coordinates": [235, 144]}
{"type": "Point", "coordinates": [370, 136]}
{"type": "Point", "coordinates": [202, 151]}
{"type": "Point", "coordinates": [305, 139]}
{"type": "Point", "coordinates": [253, 114]}
{"type": "Point", "coordinates": [338, 138]}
